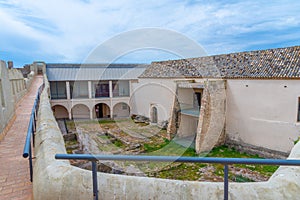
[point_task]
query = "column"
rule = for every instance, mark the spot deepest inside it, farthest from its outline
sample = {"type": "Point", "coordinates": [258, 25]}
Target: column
{"type": "Point", "coordinates": [110, 89]}
{"type": "Point", "coordinates": [90, 89]}
{"type": "Point", "coordinates": [68, 90]}
{"type": "Point", "coordinates": [111, 95]}
{"type": "Point", "coordinates": [91, 113]}
{"type": "Point", "coordinates": [70, 115]}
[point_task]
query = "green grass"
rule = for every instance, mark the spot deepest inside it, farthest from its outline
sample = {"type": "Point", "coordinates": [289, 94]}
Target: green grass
{"type": "Point", "coordinates": [226, 152]}
{"type": "Point", "coordinates": [169, 148]}
{"type": "Point", "coordinates": [190, 171]}
{"type": "Point", "coordinates": [118, 143]}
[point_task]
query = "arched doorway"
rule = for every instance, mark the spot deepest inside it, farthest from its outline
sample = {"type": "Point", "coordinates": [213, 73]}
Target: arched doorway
{"type": "Point", "coordinates": [80, 111]}
{"type": "Point", "coordinates": [60, 112]}
{"type": "Point", "coordinates": [101, 110]}
{"type": "Point", "coordinates": [121, 110]}
{"type": "Point", "coordinates": [154, 115]}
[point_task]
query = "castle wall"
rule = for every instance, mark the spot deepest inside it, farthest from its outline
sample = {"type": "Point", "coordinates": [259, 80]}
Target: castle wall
{"type": "Point", "coordinates": [263, 113]}
{"type": "Point", "coordinates": [57, 179]}
{"type": "Point", "coordinates": [7, 101]}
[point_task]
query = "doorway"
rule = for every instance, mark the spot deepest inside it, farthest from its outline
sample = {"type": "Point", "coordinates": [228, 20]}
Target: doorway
{"type": "Point", "coordinates": [102, 110]}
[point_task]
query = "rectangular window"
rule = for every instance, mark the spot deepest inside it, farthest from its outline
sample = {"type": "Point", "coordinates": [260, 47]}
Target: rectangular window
{"type": "Point", "coordinates": [298, 114]}
{"type": "Point", "coordinates": [101, 89]}
{"type": "Point", "coordinates": [79, 89]}
{"type": "Point", "coordinates": [120, 88]}
{"type": "Point", "coordinates": [58, 90]}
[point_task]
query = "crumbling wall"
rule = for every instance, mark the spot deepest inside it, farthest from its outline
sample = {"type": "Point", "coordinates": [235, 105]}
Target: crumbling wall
{"type": "Point", "coordinates": [211, 124]}
{"type": "Point", "coordinates": [57, 179]}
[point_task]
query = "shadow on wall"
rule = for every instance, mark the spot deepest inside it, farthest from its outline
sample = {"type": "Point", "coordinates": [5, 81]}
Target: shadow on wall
{"type": "Point", "coordinates": [13, 86]}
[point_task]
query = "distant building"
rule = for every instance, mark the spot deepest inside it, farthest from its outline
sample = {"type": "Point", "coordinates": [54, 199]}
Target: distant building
{"type": "Point", "coordinates": [92, 91]}
{"type": "Point", "coordinates": [250, 100]}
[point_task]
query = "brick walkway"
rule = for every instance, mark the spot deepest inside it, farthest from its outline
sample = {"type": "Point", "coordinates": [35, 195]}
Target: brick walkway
{"type": "Point", "coordinates": [14, 169]}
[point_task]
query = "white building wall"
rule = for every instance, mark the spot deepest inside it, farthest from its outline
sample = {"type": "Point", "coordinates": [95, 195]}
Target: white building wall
{"type": "Point", "coordinates": [153, 92]}
{"type": "Point", "coordinates": [263, 113]}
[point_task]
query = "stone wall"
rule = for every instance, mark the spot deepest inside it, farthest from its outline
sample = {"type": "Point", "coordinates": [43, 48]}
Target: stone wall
{"type": "Point", "coordinates": [210, 132]}
{"type": "Point", "coordinates": [13, 87]}
{"type": "Point", "coordinates": [6, 101]}
{"type": "Point", "coordinates": [57, 179]}
{"type": "Point", "coordinates": [18, 84]}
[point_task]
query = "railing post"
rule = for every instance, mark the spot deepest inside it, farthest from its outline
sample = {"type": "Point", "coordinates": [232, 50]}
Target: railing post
{"type": "Point", "coordinates": [30, 163]}
{"type": "Point", "coordinates": [225, 182]}
{"type": "Point", "coordinates": [95, 181]}
{"type": "Point", "coordinates": [33, 129]}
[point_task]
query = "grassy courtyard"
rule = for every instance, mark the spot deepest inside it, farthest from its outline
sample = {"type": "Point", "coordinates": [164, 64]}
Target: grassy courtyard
{"type": "Point", "coordinates": [127, 137]}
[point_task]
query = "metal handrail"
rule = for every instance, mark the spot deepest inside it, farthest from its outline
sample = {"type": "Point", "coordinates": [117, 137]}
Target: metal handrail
{"type": "Point", "coordinates": [224, 161]}
{"type": "Point", "coordinates": [27, 151]}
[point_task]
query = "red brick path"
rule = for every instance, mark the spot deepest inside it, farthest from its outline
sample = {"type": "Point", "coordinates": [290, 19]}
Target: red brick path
{"type": "Point", "coordinates": [14, 169]}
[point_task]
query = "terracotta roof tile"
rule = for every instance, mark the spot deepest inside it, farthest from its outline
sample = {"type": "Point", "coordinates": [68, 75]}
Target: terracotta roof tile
{"type": "Point", "coordinates": [271, 63]}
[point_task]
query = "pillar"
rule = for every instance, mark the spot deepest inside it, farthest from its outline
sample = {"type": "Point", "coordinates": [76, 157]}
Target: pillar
{"type": "Point", "coordinates": [68, 90]}
{"type": "Point", "coordinates": [90, 89]}
{"type": "Point", "coordinates": [91, 113]}
{"type": "Point", "coordinates": [70, 115]}
{"type": "Point", "coordinates": [111, 96]}
{"type": "Point", "coordinates": [110, 89]}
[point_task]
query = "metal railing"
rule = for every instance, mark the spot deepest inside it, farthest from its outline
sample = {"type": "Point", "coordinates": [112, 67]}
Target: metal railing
{"type": "Point", "coordinates": [224, 161]}
{"type": "Point", "coordinates": [27, 152]}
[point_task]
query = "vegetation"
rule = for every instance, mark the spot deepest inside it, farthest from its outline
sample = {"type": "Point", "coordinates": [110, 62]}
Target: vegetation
{"type": "Point", "coordinates": [157, 144]}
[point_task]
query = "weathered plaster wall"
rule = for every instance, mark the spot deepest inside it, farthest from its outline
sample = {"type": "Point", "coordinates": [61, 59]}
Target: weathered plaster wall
{"type": "Point", "coordinates": [263, 113]}
{"type": "Point", "coordinates": [56, 179]}
{"type": "Point", "coordinates": [153, 92]}
{"type": "Point", "coordinates": [18, 84]}
{"type": "Point", "coordinates": [13, 88]}
{"type": "Point", "coordinates": [7, 102]}
{"type": "Point", "coordinates": [211, 122]}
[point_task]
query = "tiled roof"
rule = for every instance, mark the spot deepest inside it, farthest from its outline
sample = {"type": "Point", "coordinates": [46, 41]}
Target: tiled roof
{"type": "Point", "coordinates": [271, 63]}
{"type": "Point", "coordinates": [80, 72]}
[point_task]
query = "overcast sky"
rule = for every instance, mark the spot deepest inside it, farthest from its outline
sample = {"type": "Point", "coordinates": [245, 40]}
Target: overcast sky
{"type": "Point", "coordinates": [68, 30]}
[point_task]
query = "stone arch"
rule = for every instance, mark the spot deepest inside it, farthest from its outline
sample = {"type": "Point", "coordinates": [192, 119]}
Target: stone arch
{"type": "Point", "coordinates": [121, 110]}
{"type": "Point", "coordinates": [101, 110]}
{"type": "Point", "coordinates": [80, 111]}
{"type": "Point", "coordinates": [60, 112]}
{"type": "Point", "coordinates": [154, 114]}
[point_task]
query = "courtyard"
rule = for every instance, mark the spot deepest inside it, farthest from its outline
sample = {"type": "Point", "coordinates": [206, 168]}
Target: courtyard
{"type": "Point", "coordinates": [127, 137]}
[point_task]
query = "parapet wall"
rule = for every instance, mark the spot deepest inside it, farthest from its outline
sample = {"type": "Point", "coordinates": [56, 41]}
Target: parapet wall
{"type": "Point", "coordinates": [6, 101]}
{"type": "Point", "coordinates": [56, 179]}
{"type": "Point", "coordinates": [13, 88]}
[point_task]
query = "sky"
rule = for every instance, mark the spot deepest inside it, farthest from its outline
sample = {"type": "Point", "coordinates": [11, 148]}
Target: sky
{"type": "Point", "coordinates": [67, 31]}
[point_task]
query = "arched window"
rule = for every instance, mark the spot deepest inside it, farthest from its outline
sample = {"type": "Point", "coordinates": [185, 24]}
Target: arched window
{"type": "Point", "coordinates": [154, 115]}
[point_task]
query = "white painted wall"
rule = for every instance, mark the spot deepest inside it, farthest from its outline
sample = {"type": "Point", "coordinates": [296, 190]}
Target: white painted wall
{"type": "Point", "coordinates": [264, 113]}
{"type": "Point", "coordinates": [153, 92]}
{"type": "Point", "coordinates": [7, 101]}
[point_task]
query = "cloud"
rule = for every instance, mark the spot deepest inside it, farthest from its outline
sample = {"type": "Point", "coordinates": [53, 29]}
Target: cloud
{"type": "Point", "coordinates": [65, 31]}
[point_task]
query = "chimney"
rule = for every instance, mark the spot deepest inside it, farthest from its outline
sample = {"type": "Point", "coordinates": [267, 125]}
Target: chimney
{"type": "Point", "coordinates": [10, 64]}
